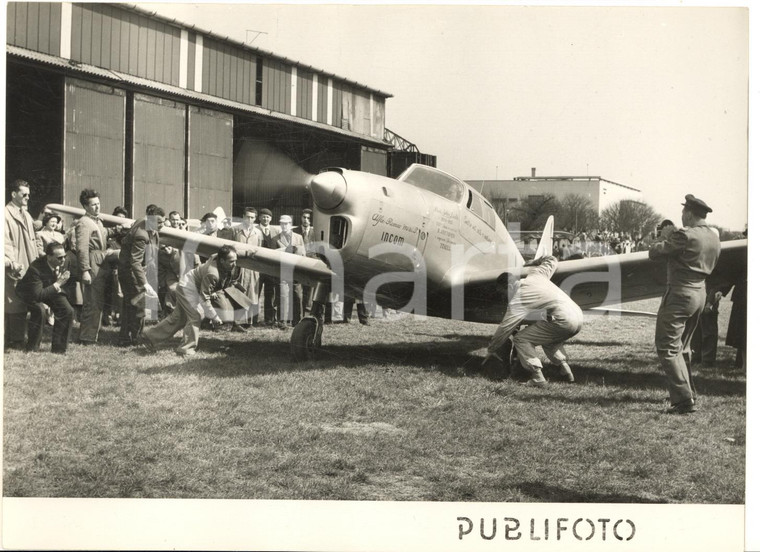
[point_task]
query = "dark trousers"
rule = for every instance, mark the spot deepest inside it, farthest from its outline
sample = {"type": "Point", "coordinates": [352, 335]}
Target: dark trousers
{"type": "Point", "coordinates": [361, 311]}
{"type": "Point", "coordinates": [306, 301]}
{"type": "Point", "coordinates": [132, 321]}
{"type": "Point", "coordinates": [271, 287]}
{"type": "Point", "coordinates": [704, 342]}
{"type": "Point", "coordinates": [64, 316]}
{"type": "Point", "coordinates": [15, 329]}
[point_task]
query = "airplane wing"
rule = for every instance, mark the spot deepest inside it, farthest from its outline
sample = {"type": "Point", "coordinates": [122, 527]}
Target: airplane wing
{"type": "Point", "coordinates": [599, 281]}
{"type": "Point", "coordinates": [306, 270]}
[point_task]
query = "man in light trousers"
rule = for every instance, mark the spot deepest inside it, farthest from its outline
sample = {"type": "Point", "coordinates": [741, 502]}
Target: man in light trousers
{"type": "Point", "coordinates": [552, 318]}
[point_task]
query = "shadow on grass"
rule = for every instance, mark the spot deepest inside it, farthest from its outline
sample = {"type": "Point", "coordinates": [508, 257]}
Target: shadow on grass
{"type": "Point", "coordinates": [550, 493]}
{"type": "Point", "coordinates": [455, 357]}
{"type": "Point", "coordinates": [704, 383]}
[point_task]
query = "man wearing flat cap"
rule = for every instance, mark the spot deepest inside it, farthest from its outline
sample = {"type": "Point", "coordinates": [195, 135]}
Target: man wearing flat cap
{"type": "Point", "coordinates": [691, 253]}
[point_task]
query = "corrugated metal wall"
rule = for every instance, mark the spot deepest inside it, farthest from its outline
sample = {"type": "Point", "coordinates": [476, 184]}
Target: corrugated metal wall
{"type": "Point", "coordinates": [36, 26]}
{"type": "Point", "coordinates": [210, 161]}
{"type": "Point", "coordinates": [106, 36]}
{"type": "Point", "coordinates": [229, 72]}
{"type": "Point", "coordinates": [339, 119]}
{"type": "Point", "coordinates": [276, 78]}
{"type": "Point", "coordinates": [360, 112]}
{"type": "Point", "coordinates": [378, 127]}
{"type": "Point", "coordinates": [322, 99]}
{"type": "Point", "coordinates": [109, 36]}
{"type": "Point", "coordinates": [94, 142]}
{"type": "Point", "coordinates": [305, 93]}
{"type": "Point", "coordinates": [158, 159]}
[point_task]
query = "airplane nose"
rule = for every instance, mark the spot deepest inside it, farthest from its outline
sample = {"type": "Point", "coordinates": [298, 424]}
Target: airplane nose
{"type": "Point", "coordinates": [328, 189]}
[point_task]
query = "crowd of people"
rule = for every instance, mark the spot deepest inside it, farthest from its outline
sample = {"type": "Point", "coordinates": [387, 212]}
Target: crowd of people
{"type": "Point", "coordinates": [102, 276]}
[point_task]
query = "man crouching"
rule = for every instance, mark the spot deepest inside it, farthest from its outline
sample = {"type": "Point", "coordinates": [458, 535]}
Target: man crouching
{"type": "Point", "coordinates": [194, 295]}
{"type": "Point", "coordinates": [551, 315]}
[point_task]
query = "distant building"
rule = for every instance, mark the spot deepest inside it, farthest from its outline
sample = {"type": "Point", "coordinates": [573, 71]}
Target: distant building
{"type": "Point", "coordinates": [602, 193]}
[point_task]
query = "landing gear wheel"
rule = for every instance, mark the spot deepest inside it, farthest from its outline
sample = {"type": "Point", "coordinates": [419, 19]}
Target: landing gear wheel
{"type": "Point", "coordinates": [306, 339]}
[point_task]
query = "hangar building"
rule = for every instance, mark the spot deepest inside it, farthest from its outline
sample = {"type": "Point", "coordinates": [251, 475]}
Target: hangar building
{"type": "Point", "coordinates": [150, 110]}
{"type": "Point", "coordinates": [601, 192]}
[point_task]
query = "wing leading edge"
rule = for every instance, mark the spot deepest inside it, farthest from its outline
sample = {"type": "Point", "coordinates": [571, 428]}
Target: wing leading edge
{"type": "Point", "coordinates": [610, 280]}
{"type": "Point", "coordinates": [272, 262]}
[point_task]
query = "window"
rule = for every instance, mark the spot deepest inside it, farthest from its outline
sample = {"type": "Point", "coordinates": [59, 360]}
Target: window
{"type": "Point", "coordinates": [433, 180]}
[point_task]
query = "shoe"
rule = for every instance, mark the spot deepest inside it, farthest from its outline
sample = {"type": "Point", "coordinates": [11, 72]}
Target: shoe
{"type": "Point", "coordinates": [281, 326]}
{"type": "Point", "coordinates": [364, 322]}
{"type": "Point", "coordinates": [185, 353]}
{"type": "Point", "coordinates": [686, 407]}
{"type": "Point", "coordinates": [147, 344]}
{"type": "Point", "coordinates": [541, 384]}
{"type": "Point", "coordinates": [238, 328]}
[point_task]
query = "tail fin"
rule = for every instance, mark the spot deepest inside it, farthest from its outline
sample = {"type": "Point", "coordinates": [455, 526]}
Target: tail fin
{"type": "Point", "coordinates": [546, 245]}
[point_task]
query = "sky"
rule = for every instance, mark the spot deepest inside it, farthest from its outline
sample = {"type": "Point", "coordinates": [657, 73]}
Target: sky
{"type": "Point", "coordinates": [655, 98]}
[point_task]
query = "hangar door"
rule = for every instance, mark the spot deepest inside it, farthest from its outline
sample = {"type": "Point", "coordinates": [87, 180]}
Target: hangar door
{"type": "Point", "coordinates": [209, 162]}
{"type": "Point", "coordinates": [94, 143]}
{"type": "Point", "coordinates": [158, 166]}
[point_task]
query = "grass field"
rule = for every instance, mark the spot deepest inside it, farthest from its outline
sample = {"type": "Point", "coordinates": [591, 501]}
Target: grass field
{"type": "Point", "coordinates": [399, 410]}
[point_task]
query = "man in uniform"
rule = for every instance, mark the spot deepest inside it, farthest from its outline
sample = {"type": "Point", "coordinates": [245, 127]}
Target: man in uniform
{"type": "Point", "coordinates": [20, 251]}
{"type": "Point", "coordinates": [194, 295]}
{"type": "Point", "coordinates": [691, 253]}
{"type": "Point", "coordinates": [138, 272]}
{"type": "Point", "coordinates": [552, 317]}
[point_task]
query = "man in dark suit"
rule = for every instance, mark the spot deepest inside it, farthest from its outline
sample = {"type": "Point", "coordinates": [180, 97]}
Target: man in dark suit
{"type": "Point", "coordinates": [268, 284]}
{"type": "Point", "coordinates": [43, 285]}
{"type": "Point", "coordinates": [306, 231]}
{"type": "Point", "coordinates": [138, 272]}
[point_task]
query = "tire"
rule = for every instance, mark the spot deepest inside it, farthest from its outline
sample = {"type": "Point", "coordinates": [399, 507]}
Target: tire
{"type": "Point", "coordinates": [305, 340]}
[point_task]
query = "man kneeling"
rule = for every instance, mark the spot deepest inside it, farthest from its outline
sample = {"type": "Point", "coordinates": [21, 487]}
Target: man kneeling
{"type": "Point", "coordinates": [41, 287]}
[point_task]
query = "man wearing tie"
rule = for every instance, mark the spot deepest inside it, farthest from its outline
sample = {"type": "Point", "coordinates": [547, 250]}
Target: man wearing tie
{"type": "Point", "coordinates": [268, 283]}
{"type": "Point", "coordinates": [20, 251]}
{"type": "Point", "coordinates": [306, 231]}
{"type": "Point", "coordinates": [43, 285]}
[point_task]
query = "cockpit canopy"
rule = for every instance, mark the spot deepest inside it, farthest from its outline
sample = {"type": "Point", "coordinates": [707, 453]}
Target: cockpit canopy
{"type": "Point", "coordinates": [453, 189]}
{"type": "Point", "coordinates": [433, 180]}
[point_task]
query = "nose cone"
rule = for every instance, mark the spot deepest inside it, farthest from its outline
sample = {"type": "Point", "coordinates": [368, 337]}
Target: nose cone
{"type": "Point", "coordinates": [328, 189]}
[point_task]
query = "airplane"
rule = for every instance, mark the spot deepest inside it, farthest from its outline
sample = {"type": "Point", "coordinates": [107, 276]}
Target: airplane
{"type": "Point", "coordinates": [429, 244]}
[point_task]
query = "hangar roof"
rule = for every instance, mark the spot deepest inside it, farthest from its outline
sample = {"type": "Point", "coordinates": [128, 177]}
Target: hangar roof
{"type": "Point", "coordinates": [266, 53]}
{"type": "Point", "coordinates": [124, 78]}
